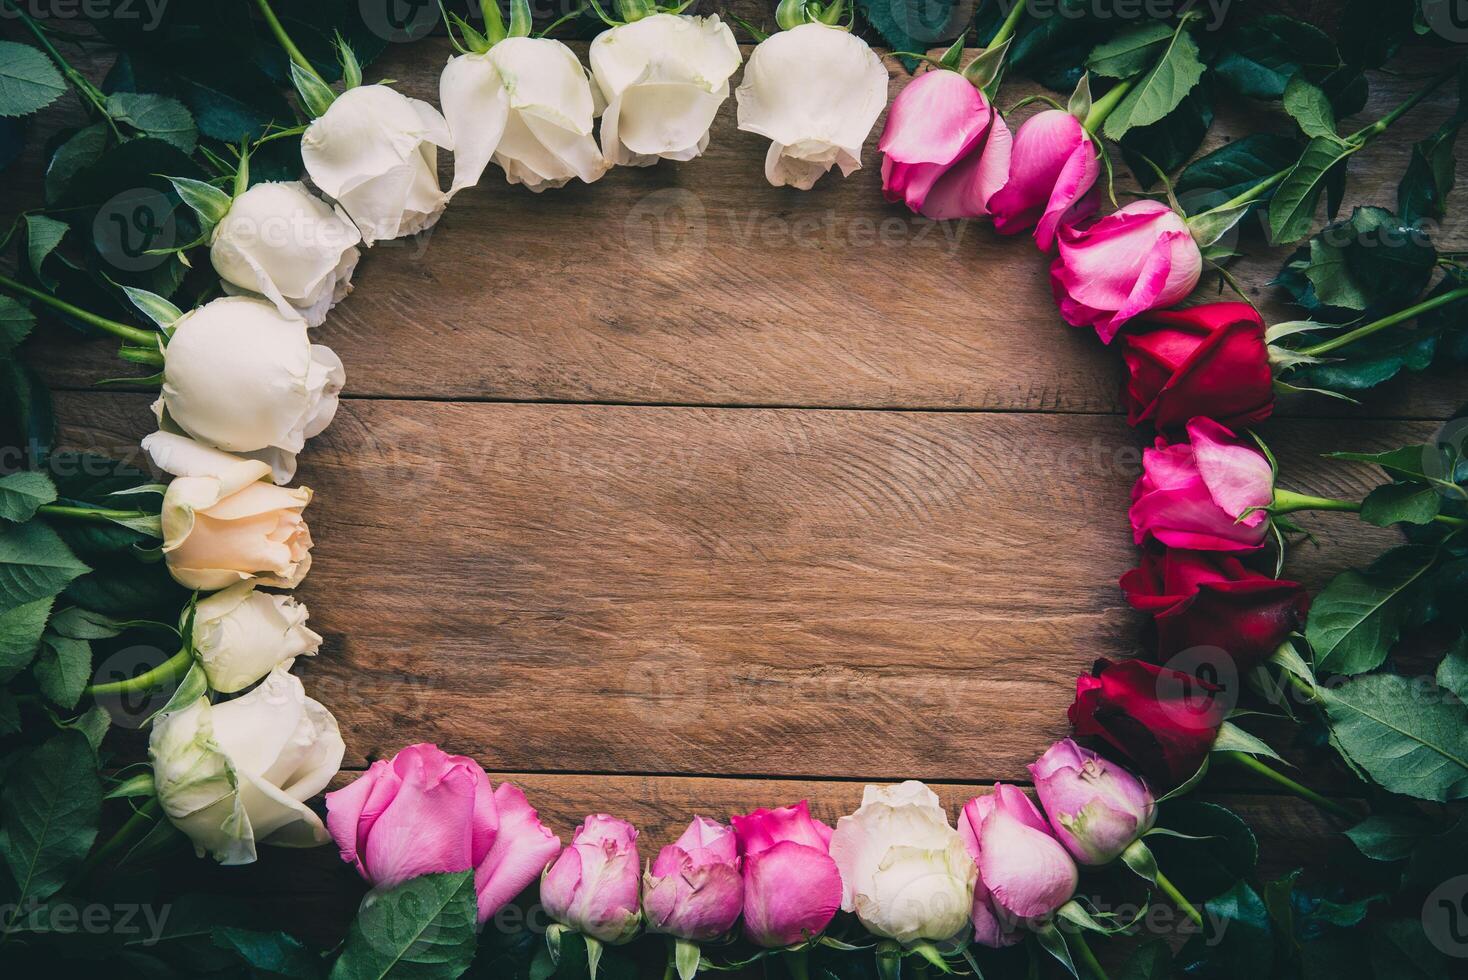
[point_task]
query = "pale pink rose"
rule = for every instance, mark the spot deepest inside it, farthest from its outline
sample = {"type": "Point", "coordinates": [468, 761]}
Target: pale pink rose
{"type": "Point", "coordinates": [1025, 874]}
{"type": "Point", "coordinates": [1109, 270]}
{"type": "Point", "coordinates": [1052, 172]}
{"type": "Point", "coordinates": [945, 149]}
{"type": "Point", "coordinates": [1096, 808]}
{"type": "Point", "coordinates": [1196, 494]}
{"type": "Point", "coordinates": [792, 888]}
{"type": "Point", "coordinates": [694, 889]}
{"type": "Point", "coordinates": [594, 886]}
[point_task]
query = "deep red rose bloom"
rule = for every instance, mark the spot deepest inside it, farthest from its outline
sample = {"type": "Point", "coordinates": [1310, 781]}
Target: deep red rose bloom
{"type": "Point", "coordinates": [1163, 721]}
{"type": "Point", "coordinates": [1208, 360]}
{"type": "Point", "coordinates": [1205, 599]}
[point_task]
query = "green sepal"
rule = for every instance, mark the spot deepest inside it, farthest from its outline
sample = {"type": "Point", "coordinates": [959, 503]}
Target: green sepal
{"type": "Point", "coordinates": [315, 94]}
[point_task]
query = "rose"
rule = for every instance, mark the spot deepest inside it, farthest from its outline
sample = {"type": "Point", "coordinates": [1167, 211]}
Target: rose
{"type": "Point", "coordinates": [241, 635]}
{"type": "Point", "coordinates": [236, 774]}
{"type": "Point", "coordinates": [1204, 599]}
{"type": "Point", "coordinates": [1208, 360]}
{"type": "Point", "coordinates": [526, 103]}
{"type": "Point", "coordinates": [816, 92]}
{"type": "Point", "coordinates": [282, 242]}
{"type": "Point", "coordinates": [1203, 494]}
{"type": "Point", "coordinates": [1052, 169]}
{"type": "Point", "coordinates": [1096, 808]}
{"type": "Point", "coordinates": [694, 889]}
{"type": "Point", "coordinates": [1163, 721]}
{"type": "Point", "coordinates": [946, 150]}
{"type": "Point", "coordinates": [1024, 872]}
{"type": "Point", "coordinates": [904, 870]}
{"type": "Point", "coordinates": [593, 887]}
{"type": "Point", "coordinates": [241, 377]}
{"type": "Point", "coordinates": [1109, 270]}
{"type": "Point", "coordinates": [222, 524]}
{"type": "Point", "coordinates": [792, 887]}
{"type": "Point", "coordinates": [375, 152]}
{"type": "Point", "coordinates": [663, 78]}
{"type": "Point", "coordinates": [428, 812]}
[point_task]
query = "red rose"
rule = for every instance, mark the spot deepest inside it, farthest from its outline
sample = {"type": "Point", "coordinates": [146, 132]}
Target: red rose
{"type": "Point", "coordinates": [1208, 360]}
{"type": "Point", "coordinates": [1203, 599]}
{"type": "Point", "coordinates": [1163, 721]}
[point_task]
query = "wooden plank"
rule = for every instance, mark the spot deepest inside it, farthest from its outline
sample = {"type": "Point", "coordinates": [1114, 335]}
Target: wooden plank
{"type": "Point", "coordinates": [844, 594]}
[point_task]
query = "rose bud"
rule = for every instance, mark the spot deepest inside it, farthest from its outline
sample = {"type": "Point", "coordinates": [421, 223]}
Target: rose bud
{"type": "Point", "coordinates": [815, 91]}
{"type": "Point", "coordinates": [792, 888]}
{"type": "Point", "coordinates": [428, 812]}
{"type": "Point", "coordinates": [375, 152]}
{"type": "Point", "coordinates": [1208, 360]}
{"type": "Point", "coordinates": [239, 376]}
{"type": "Point", "coordinates": [594, 885]}
{"type": "Point", "coordinates": [1109, 270]}
{"type": "Point", "coordinates": [904, 870]}
{"type": "Point", "coordinates": [946, 150]}
{"type": "Point", "coordinates": [1163, 721]}
{"type": "Point", "coordinates": [1206, 495]}
{"type": "Point", "coordinates": [663, 77]}
{"type": "Point", "coordinates": [1096, 808]}
{"type": "Point", "coordinates": [1024, 872]}
{"type": "Point", "coordinates": [526, 104]}
{"type": "Point", "coordinates": [694, 889]}
{"type": "Point", "coordinates": [1205, 599]}
{"type": "Point", "coordinates": [1052, 168]}
{"type": "Point", "coordinates": [241, 635]}
{"type": "Point", "coordinates": [281, 242]}
{"type": "Point", "coordinates": [238, 773]}
{"type": "Point", "coordinates": [222, 524]}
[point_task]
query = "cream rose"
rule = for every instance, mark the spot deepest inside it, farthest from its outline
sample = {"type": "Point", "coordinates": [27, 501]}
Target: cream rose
{"type": "Point", "coordinates": [240, 376]}
{"type": "Point", "coordinates": [237, 774]}
{"type": "Point", "coordinates": [241, 634]}
{"type": "Point", "coordinates": [280, 241]}
{"type": "Point", "coordinates": [375, 152]}
{"type": "Point", "coordinates": [223, 524]}
{"type": "Point", "coordinates": [663, 78]}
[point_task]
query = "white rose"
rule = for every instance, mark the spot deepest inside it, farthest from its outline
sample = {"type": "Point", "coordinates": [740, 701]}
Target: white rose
{"type": "Point", "coordinates": [663, 78]}
{"type": "Point", "coordinates": [280, 241]}
{"type": "Point", "coordinates": [240, 376]}
{"type": "Point", "coordinates": [904, 869]}
{"type": "Point", "coordinates": [241, 635]}
{"type": "Point", "coordinates": [236, 774]}
{"type": "Point", "coordinates": [375, 152]}
{"type": "Point", "coordinates": [223, 524]}
{"type": "Point", "coordinates": [526, 103]}
{"type": "Point", "coordinates": [816, 92]}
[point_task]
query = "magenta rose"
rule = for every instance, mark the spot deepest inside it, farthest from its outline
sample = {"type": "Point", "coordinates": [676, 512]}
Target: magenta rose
{"type": "Point", "coordinates": [1025, 874]}
{"type": "Point", "coordinates": [1206, 494]}
{"type": "Point", "coordinates": [945, 149]}
{"type": "Point", "coordinates": [1109, 270]}
{"type": "Point", "coordinates": [428, 812]}
{"type": "Point", "coordinates": [594, 886]}
{"type": "Point", "coordinates": [694, 889]}
{"type": "Point", "coordinates": [792, 887]}
{"type": "Point", "coordinates": [1052, 169]}
{"type": "Point", "coordinates": [1096, 808]}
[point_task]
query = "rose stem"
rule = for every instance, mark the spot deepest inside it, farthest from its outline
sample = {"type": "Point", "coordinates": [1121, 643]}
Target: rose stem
{"type": "Point", "coordinates": [87, 90]}
{"type": "Point", "coordinates": [132, 335]}
{"type": "Point", "coordinates": [90, 513]}
{"type": "Point", "coordinates": [797, 962]}
{"type": "Point", "coordinates": [1288, 502]}
{"type": "Point", "coordinates": [1179, 899]}
{"type": "Point", "coordinates": [289, 46]}
{"type": "Point", "coordinates": [1006, 29]}
{"type": "Point", "coordinates": [1102, 107]}
{"type": "Point", "coordinates": [143, 816]}
{"type": "Point", "coordinates": [1084, 948]}
{"type": "Point", "coordinates": [172, 668]}
{"type": "Point", "coordinates": [1427, 306]}
{"type": "Point", "coordinates": [1304, 792]}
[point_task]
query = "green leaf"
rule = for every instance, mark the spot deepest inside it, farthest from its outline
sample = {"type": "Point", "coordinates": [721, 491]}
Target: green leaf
{"type": "Point", "coordinates": [28, 80]}
{"type": "Point", "coordinates": [84, 148]}
{"type": "Point", "coordinates": [1309, 106]}
{"type": "Point", "coordinates": [209, 202]}
{"type": "Point", "coordinates": [20, 635]}
{"type": "Point", "coordinates": [1261, 57]}
{"type": "Point", "coordinates": [274, 953]}
{"type": "Point", "coordinates": [1152, 961]}
{"type": "Point", "coordinates": [1452, 672]}
{"type": "Point", "coordinates": [34, 564]}
{"type": "Point", "coordinates": [1235, 167]}
{"type": "Point", "coordinates": [423, 928]}
{"type": "Point", "coordinates": [1330, 273]}
{"type": "Point", "coordinates": [42, 236]}
{"type": "Point", "coordinates": [16, 323]}
{"type": "Point", "coordinates": [48, 816]}
{"type": "Point", "coordinates": [1129, 52]}
{"type": "Point", "coordinates": [23, 493]}
{"type": "Point", "coordinates": [1426, 463]}
{"type": "Point", "coordinates": [94, 723]}
{"type": "Point", "coordinates": [83, 624]}
{"type": "Point", "coordinates": [1357, 618]}
{"type": "Point", "coordinates": [1388, 837]}
{"type": "Point", "coordinates": [1222, 851]}
{"type": "Point", "coordinates": [63, 669]}
{"type": "Point", "coordinates": [1162, 89]}
{"type": "Point", "coordinates": [9, 713]}
{"type": "Point", "coordinates": [26, 414]}
{"type": "Point", "coordinates": [1410, 740]}
{"type": "Point", "coordinates": [1401, 503]}
{"type": "Point", "coordinates": [158, 116]}
{"type": "Point", "coordinates": [1292, 209]}
{"type": "Point", "coordinates": [1170, 143]}
{"type": "Point", "coordinates": [1232, 738]}
{"type": "Point", "coordinates": [1430, 176]}
{"type": "Point", "coordinates": [1237, 939]}
{"type": "Point", "coordinates": [1400, 949]}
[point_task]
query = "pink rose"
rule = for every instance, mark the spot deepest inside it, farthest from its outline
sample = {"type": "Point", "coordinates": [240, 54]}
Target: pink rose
{"type": "Point", "coordinates": [594, 886]}
{"type": "Point", "coordinates": [1194, 494]}
{"type": "Point", "coordinates": [1096, 807]}
{"type": "Point", "coordinates": [428, 812]}
{"type": "Point", "coordinates": [946, 150]}
{"type": "Point", "coordinates": [1024, 872]}
{"type": "Point", "coordinates": [792, 888]}
{"type": "Point", "coordinates": [1109, 270]}
{"type": "Point", "coordinates": [694, 889]}
{"type": "Point", "coordinates": [1052, 170]}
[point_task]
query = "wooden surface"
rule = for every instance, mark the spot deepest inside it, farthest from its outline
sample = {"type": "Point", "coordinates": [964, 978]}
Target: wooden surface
{"type": "Point", "coordinates": [680, 493]}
